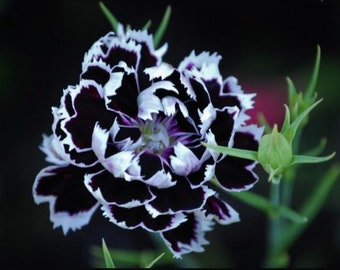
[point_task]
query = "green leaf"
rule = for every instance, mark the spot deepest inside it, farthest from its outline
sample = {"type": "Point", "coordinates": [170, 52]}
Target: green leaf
{"type": "Point", "coordinates": [264, 205]}
{"type": "Point", "coordinates": [154, 261]}
{"type": "Point", "coordinates": [235, 152]}
{"type": "Point", "coordinates": [290, 131]}
{"type": "Point", "coordinates": [312, 84]}
{"type": "Point", "coordinates": [162, 26]}
{"type": "Point", "coordinates": [132, 258]}
{"type": "Point", "coordinates": [109, 16]}
{"type": "Point", "coordinates": [299, 159]}
{"type": "Point", "coordinates": [311, 206]}
{"type": "Point", "coordinates": [147, 25]}
{"type": "Point", "coordinates": [107, 256]}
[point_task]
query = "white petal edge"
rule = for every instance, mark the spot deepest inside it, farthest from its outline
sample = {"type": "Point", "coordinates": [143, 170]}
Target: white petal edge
{"type": "Point", "coordinates": [117, 163]}
{"type": "Point", "coordinates": [177, 219]}
{"type": "Point", "coordinates": [184, 161]}
{"type": "Point", "coordinates": [149, 103]}
{"type": "Point", "coordinates": [203, 225]}
{"type": "Point", "coordinates": [98, 195]}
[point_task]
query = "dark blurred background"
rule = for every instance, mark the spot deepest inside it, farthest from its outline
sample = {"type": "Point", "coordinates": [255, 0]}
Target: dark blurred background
{"type": "Point", "coordinates": [42, 44]}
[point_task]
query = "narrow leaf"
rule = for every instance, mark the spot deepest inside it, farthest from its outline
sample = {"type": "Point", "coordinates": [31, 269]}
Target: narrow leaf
{"type": "Point", "coordinates": [147, 25]}
{"type": "Point", "coordinates": [264, 205]}
{"type": "Point", "coordinates": [298, 159]}
{"type": "Point", "coordinates": [291, 130]}
{"type": "Point", "coordinates": [154, 261]}
{"type": "Point", "coordinates": [235, 152]}
{"type": "Point", "coordinates": [312, 84]}
{"type": "Point", "coordinates": [109, 16]}
{"type": "Point", "coordinates": [162, 26]}
{"type": "Point", "coordinates": [107, 256]}
{"type": "Point", "coordinates": [292, 93]}
{"type": "Point", "coordinates": [311, 206]}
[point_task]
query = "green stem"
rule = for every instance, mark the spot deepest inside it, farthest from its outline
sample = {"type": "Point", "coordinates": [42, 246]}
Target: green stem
{"type": "Point", "coordinates": [274, 228]}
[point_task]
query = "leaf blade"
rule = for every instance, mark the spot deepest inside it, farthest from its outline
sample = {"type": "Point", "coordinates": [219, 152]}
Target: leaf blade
{"type": "Point", "coordinates": [107, 256]}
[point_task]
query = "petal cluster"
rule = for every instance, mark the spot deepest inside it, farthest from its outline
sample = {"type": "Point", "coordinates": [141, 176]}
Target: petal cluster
{"type": "Point", "coordinates": [127, 140]}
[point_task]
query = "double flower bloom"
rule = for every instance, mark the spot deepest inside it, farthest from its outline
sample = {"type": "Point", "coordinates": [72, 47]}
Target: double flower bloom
{"type": "Point", "coordinates": [127, 139]}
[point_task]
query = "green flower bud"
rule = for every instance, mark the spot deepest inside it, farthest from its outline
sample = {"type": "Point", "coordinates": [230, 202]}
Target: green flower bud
{"type": "Point", "coordinates": [274, 154]}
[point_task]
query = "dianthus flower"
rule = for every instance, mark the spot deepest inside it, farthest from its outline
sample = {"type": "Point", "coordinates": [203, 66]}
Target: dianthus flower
{"type": "Point", "coordinates": [128, 140]}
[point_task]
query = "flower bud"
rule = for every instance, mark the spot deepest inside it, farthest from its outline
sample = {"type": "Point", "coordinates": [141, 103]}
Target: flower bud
{"type": "Point", "coordinates": [274, 153]}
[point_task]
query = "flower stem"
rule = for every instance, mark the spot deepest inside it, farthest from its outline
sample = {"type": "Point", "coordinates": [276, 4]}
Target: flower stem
{"type": "Point", "coordinates": [273, 259]}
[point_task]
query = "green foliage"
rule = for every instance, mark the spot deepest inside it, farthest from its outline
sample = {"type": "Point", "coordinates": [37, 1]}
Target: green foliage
{"type": "Point", "coordinates": [130, 258]}
{"type": "Point", "coordinates": [162, 26]}
{"type": "Point", "coordinates": [109, 16]}
{"type": "Point", "coordinates": [107, 256]}
{"type": "Point", "coordinates": [159, 32]}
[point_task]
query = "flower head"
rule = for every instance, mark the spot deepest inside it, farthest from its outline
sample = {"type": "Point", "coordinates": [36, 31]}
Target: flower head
{"type": "Point", "coordinates": [128, 140]}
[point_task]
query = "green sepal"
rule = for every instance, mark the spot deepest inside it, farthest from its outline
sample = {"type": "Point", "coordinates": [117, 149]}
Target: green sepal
{"type": "Point", "coordinates": [263, 122]}
{"type": "Point", "coordinates": [290, 131]}
{"type": "Point", "coordinates": [299, 159]}
{"type": "Point", "coordinates": [274, 153]}
{"type": "Point", "coordinates": [286, 121]}
{"type": "Point", "coordinates": [294, 99]}
{"type": "Point", "coordinates": [107, 256]}
{"type": "Point", "coordinates": [109, 16]}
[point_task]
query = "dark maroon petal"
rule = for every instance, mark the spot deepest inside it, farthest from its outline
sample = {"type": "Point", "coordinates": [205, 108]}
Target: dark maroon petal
{"type": "Point", "coordinates": [118, 191]}
{"type": "Point", "coordinates": [127, 129]}
{"type": "Point", "coordinates": [223, 99]}
{"type": "Point", "coordinates": [125, 99]}
{"type": "Point", "coordinates": [150, 164]}
{"type": "Point", "coordinates": [188, 236]}
{"type": "Point", "coordinates": [96, 73]}
{"type": "Point", "coordinates": [220, 210]}
{"type": "Point", "coordinates": [222, 127]}
{"type": "Point", "coordinates": [117, 54]}
{"type": "Point", "coordinates": [71, 204]}
{"type": "Point", "coordinates": [90, 108]}
{"type": "Point", "coordinates": [198, 177]}
{"type": "Point", "coordinates": [181, 94]}
{"type": "Point", "coordinates": [180, 197]}
{"type": "Point", "coordinates": [202, 96]}
{"type": "Point", "coordinates": [147, 58]}
{"type": "Point", "coordinates": [130, 218]}
{"type": "Point", "coordinates": [245, 140]}
{"type": "Point", "coordinates": [67, 185]}
{"type": "Point", "coordinates": [236, 173]}
{"type": "Point", "coordinates": [233, 175]}
{"type": "Point", "coordinates": [188, 126]}
{"type": "Point", "coordinates": [87, 158]}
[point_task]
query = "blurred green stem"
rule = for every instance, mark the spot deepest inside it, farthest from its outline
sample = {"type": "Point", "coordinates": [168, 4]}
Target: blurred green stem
{"type": "Point", "coordinates": [274, 227]}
